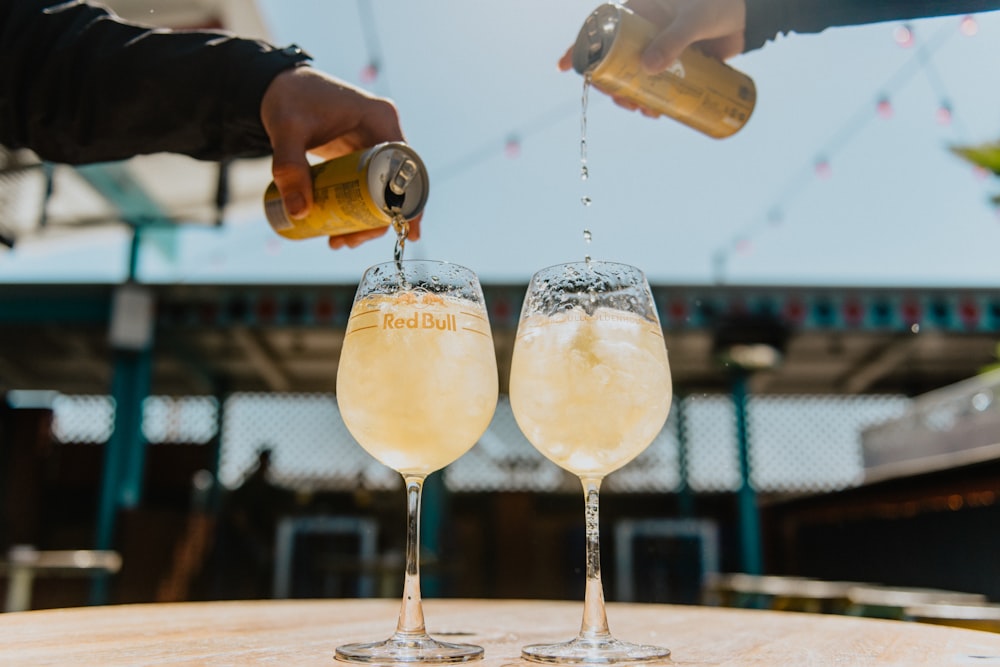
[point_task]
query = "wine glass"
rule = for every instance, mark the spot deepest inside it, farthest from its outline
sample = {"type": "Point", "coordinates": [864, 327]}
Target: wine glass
{"type": "Point", "coordinates": [417, 386]}
{"type": "Point", "coordinates": [590, 388]}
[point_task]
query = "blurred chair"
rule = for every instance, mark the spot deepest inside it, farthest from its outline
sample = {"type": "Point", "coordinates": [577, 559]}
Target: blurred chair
{"type": "Point", "coordinates": [891, 602]}
{"type": "Point", "coordinates": [780, 593]}
{"type": "Point", "coordinates": [972, 616]}
{"type": "Point", "coordinates": [290, 529]}
{"type": "Point", "coordinates": [702, 532]}
{"type": "Point", "coordinates": [25, 563]}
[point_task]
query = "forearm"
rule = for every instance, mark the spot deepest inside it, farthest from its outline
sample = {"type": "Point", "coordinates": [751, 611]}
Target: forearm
{"type": "Point", "coordinates": [79, 85]}
{"type": "Point", "coordinates": [766, 19]}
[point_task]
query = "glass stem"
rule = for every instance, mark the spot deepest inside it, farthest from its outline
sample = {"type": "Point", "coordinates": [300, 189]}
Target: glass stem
{"type": "Point", "coordinates": [411, 613]}
{"type": "Point", "coordinates": [595, 620]}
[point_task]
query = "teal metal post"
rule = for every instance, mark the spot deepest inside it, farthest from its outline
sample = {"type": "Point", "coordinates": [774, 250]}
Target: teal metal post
{"type": "Point", "coordinates": [221, 394]}
{"type": "Point", "coordinates": [685, 497]}
{"type": "Point", "coordinates": [433, 508]}
{"type": "Point", "coordinates": [125, 452]}
{"type": "Point", "coordinates": [137, 369]}
{"type": "Point", "coordinates": [750, 539]}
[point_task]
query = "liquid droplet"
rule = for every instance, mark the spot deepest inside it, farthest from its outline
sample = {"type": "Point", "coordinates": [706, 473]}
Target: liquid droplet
{"type": "Point", "coordinates": [586, 201]}
{"type": "Point", "coordinates": [584, 172]}
{"type": "Point", "coordinates": [587, 236]}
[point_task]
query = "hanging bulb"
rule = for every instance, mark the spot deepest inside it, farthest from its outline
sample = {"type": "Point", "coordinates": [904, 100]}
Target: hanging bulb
{"type": "Point", "coordinates": [968, 26]}
{"type": "Point", "coordinates": [943, 114]}
{"type": "Point", "coordinates": [512, 148]}
{"type": "Point", "coordinates": [369, 72]}
{"type": "Point", "coordinates": [823, 169]}
{"type": "Point", "coordinates": [884, 108]}
{"type": "Point", "coordinates": [904, 36]}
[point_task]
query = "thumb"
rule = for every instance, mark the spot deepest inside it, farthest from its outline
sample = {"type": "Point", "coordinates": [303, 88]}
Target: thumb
{"type": "Point", "coordinates": [666, 48]}
{"type": "Point", "coordinates": [292, 176]}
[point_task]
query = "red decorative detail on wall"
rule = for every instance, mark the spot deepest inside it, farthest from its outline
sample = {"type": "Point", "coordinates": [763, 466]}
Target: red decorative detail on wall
{"type": "Point", "coordinates": [267, 309]}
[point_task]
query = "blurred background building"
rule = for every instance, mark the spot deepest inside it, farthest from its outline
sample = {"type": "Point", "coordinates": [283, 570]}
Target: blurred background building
{"type": "Point", "coordinates": [166, 399]}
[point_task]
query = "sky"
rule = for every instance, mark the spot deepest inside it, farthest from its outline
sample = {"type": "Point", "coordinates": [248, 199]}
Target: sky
{"type": "Point", "coordinates": [498, 127]}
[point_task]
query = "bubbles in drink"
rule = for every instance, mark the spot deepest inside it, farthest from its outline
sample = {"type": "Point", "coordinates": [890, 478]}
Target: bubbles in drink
{"type": "Point", "coordinates": [590, 388]}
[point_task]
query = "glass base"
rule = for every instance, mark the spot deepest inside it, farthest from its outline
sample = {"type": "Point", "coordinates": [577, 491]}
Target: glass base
{"type": "Point", "coordinates": [606, 651]}
{"type": "Point", "coordinates": [420, 648]}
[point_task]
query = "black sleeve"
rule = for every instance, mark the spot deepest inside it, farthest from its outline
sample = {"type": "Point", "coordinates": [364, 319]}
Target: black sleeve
{"type": "Point", "coordinates": [766, 19]}
{"type": "Point", "coordinates": [78, 84]}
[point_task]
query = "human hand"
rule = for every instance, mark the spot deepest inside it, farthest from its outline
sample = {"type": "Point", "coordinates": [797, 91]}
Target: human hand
{"type": "Point", "coordinates": [306, 111]}
{"type": "Point", "coordinates": [715, 26]}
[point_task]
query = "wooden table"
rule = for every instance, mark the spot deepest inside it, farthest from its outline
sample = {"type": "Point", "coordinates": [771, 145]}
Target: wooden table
{"type": "Point", "coordinates": [290, 633]}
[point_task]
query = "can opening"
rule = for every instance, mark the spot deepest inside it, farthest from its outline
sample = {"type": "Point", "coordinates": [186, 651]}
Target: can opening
{"type": "Point", "coordinates": [595, 38]}
{"type": "Point", "coordinates": [395, 188]}
{"type": "Point", "coordinates": [393, 201]}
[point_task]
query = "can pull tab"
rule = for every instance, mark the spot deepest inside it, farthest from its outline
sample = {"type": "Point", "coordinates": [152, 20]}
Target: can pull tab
{"type": "Point", "coordinates": [395, 189]}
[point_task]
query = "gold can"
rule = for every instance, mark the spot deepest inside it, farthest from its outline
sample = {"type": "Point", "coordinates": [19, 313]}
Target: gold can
{"type": "Point", "coordinates": [698, 90]}
{"type": "Point", "coordinates": [367, 189]}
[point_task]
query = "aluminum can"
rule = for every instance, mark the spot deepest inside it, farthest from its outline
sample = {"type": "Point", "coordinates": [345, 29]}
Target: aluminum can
{"type": "Point", "coordinates": [698, 90]}
{"type": "Point", "coordinates": [358, 191]}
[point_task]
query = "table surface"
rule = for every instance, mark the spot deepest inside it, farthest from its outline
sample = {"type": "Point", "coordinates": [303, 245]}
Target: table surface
{"type": "Point", "coordinates": [305, 632]}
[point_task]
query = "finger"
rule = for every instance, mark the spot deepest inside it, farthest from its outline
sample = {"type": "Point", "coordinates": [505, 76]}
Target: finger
{"type": "Point", "coordinates": [290, 170]}
{"type": "Point", "coordinates": [667, 47]}
{"type": "Point", "coordinates": [380, 122]}
{"type": "Point", "coordinates": [566, 62]}
{"type": "Point", "coordinates": [354, 239]}
{"type": "Point", "coordinates": [625, 103]}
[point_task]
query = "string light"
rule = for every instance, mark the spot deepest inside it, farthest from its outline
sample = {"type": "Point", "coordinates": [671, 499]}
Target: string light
{"type": "Point", "coordinates": [369, 73]}
{"type": "Point", "coordinates": [943, 115]}
{"type": "Point", "coordinates": [821, 168]}
{"type": "Point", "coordinates": [488, 150]}
{"type": "Point", "coordinates": [884, 108]}
{"type": "Point", "coordinates": [904, 36]}
{"type": "Point", "coordinates": [512, 148]}
{"type": "Point", "coordinates": [969, 26]}
{"type": "Point", "coordinates": [372, 72]}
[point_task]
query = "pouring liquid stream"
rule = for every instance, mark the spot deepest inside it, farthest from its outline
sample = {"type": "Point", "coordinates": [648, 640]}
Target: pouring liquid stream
{"type": "Point", "coordinates": [584, 171]}
{"type": "Point", "coordinates": [401, 226]}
